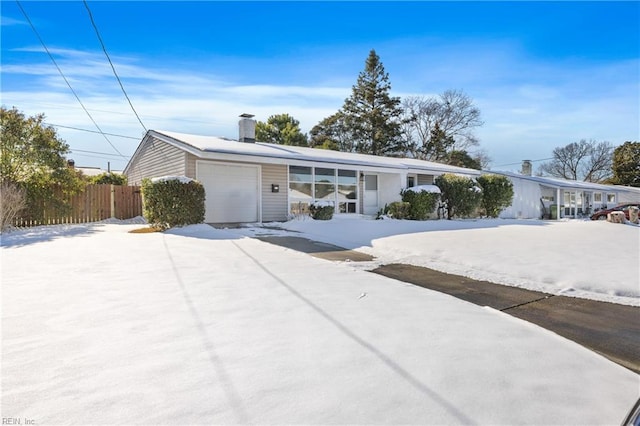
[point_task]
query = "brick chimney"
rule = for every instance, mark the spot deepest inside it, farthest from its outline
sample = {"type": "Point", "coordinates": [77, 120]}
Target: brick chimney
{"type": "Point", "coordinates": [526, 168]}
{"type": "Point", "coordinates": [247, 128]}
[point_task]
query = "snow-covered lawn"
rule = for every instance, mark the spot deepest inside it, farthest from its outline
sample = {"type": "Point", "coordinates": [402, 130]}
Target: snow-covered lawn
{"type": "Point", "coordinates": [591, 259]}
{"type": "Point", "coordinates": [204, 326]}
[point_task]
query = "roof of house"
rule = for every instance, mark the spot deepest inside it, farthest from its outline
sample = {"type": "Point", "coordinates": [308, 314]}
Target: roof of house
{"type": "Point", "coordinates": [211, 144]}
{"type": "Point", "coordinates": [565, 183]}
{"type": "Point", "coordinates": [94, 171]}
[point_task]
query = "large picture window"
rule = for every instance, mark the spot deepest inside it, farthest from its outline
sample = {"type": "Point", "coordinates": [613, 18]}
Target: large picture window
{"type": "Point", "coordinates": [300, 189]}
{"type": "Point", "coordinates": [309, 184]}
{"type": "Point", "coordinates": [325, 187]}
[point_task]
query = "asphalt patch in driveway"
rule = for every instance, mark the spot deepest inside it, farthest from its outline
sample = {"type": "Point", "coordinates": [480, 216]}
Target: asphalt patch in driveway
{"type": "Point", "coordinates": [317, 249]}
{"type": "Point", "coordinates": [609, 329]}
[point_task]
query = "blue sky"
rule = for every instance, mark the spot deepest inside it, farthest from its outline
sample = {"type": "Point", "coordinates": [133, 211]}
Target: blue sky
{"type": "Point", "coordinates": [543, 74]}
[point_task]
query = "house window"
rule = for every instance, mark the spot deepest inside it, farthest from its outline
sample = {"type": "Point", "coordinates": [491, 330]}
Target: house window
{"type": "Point", "coordinates": [325, 184]}
{"type": "Point", "coordinates": [300, 189]}
{"type": "Point", "coordinates": [309, 184]}
{"type": "Point", "coordinates": [611, 198]}
{"type": "Point", "coordinates": [549, 198]}
{"type": "Point", "coordinates": [347, 191]}
{"type": "Point", "coordinates": [597, 197]}
{"type": "Point", "coordinates": [411, 181]}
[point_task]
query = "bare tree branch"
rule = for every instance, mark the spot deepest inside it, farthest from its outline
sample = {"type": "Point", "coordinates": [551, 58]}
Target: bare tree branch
{"type": "Point", "coordinates": [454, 114]}
{"type": "Point", "coordinates": [589, 161]}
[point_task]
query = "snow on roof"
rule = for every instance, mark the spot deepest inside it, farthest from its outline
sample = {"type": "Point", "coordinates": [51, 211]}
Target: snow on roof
{"type": "Point", "coordinates": [262, 149]}
{"type": "Point", "coordinates": [425, 188]}
{"type": "Point", "coordinates": [565, 183]}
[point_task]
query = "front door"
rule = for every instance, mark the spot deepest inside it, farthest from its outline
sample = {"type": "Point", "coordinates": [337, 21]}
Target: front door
{"type": "Point", "coordinates": [371, 194]}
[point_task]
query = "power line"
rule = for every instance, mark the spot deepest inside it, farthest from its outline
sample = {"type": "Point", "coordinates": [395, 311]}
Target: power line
{"type": "Point", "coordinates": [90, 131]}
{"type": "Point", "coordinates": [65, 78]}
{"type": "Point", "coordinates": [93, 152]}
{"type": "Point", "coordinates": [104, 49]}
{"type": "Point", "coordinates": [147, 116]}
{"type": "Point", "coordinates": [99, 156]}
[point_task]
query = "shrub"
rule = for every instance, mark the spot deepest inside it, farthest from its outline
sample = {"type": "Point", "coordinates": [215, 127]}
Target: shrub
{"type": "Point", "coordinates": [12, 202]}
{"type": "Point", "coordinates": [108, 178]}
{"type": "Point", "coordinates": [421, 202]}
{"type": "Point", "coordinates": [460, 194]}
{"type": "Point", "coordinates": [497, 193]}
{"type": "Point", "coordinates": [321, 211]}
{"type": "Point", "coordinates": [172, 201]}
{"type": "Point", "coordinates": [399, 210]}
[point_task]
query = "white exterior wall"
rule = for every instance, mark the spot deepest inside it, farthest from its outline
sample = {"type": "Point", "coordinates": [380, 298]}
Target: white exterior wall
{"type": "Point", "coordinates": [389, 187]}
{"type": "Point", "coordinates": [526, 200]}
{"type": "Point", "coordinates": [628, 197]}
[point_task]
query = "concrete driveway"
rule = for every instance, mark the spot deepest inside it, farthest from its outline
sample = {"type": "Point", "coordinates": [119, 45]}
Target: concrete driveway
{"type": "Point", "coordinates": [609, 329]}
{"type": "Point", "coordinates": [199, 326]}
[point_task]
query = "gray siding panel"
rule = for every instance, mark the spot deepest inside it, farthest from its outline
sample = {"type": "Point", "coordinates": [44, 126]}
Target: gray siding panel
{"type": "Point", "coordinates": [190, 168]}
{"type": "Point", "coordinates": [274, 204]}
{"type": "Point", "coordinates": [157, 158]}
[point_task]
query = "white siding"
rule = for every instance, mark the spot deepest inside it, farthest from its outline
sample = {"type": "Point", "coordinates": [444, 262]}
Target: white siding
{"type": "Point", "coordinates": [389, 187]}
{"type": "Point", "coordinates": [156, 158]}
{"type": "Point", "coordinates": [526, 200]}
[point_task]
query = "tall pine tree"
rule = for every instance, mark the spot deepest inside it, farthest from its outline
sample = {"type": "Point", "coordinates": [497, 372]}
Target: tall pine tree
{"type": "Point", "coordinates": [372, 116]}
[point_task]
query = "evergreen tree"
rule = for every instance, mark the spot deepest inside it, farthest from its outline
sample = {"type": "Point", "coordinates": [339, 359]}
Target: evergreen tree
{"type": "Point", "coordinates": [372, 116]}
{"type": "Point", "coordinates": [331, 133]}
{"type": "Point", "coordinates": [281, 129]}
{"type": "Point", "coordinates": [440, 145]}
{"type": "Point", "coordinates": [626, 164]}
{"type": "Point", "coordinates": [462, 159]}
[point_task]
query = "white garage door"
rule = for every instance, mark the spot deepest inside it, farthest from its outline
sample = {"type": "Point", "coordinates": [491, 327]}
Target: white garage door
{"type": "Point", "coordinates": [232, 192]}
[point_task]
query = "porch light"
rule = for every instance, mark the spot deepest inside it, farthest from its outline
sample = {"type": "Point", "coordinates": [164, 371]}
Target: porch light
{"type": "Point", "coordinates": [275, 187]}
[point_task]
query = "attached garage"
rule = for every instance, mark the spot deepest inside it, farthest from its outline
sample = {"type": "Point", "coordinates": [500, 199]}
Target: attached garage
{"type": "Point", "coordinates": [232, 191]}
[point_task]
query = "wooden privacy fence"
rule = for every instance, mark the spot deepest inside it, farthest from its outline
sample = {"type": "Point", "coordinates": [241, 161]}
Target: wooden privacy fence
{"type": "Point", "coordinates": [95, 203]}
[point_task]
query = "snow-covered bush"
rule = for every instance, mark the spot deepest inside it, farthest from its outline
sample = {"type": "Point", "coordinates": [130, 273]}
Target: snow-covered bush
{"type": "Point", "coordinates": [172, 201]}
{"type": "Point", "coordinates": [460, 194]}
{"type": "Point", "coordinates": [321, 210]}
{"type": "Point", "coordinates": [422, 201]}
{"type": "Point", "coordinates": [497, 193]}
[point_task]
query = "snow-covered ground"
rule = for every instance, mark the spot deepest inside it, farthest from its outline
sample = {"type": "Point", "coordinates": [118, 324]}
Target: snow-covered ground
{"type": "Point", "coordinates": [205, 326]}
{"type": "Point", "coordinates": [591, 259]}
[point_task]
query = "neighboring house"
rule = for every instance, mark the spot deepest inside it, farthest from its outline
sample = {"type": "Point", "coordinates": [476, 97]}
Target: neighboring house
{"type": "Point", "coordinates": [249, 181]}
{"type": "Point", "coordinates": [91, 171]}
{"type": "Point", "coordinates": [541, 197]}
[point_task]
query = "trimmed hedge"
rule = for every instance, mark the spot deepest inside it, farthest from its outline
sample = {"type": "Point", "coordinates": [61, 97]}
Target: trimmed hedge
{"type": "Point", "coordinates": [321, 212]}
{"type": "Point", "coordinates": [172, 202]}
{"type": "Point", "coordinates": [421, 203]}
{"type": "Point", "coordinates": [497, 193]}
{"type": "Point", "coordinates": [399, 210]}
{"type": "Point", "coordinates": [461, 195]}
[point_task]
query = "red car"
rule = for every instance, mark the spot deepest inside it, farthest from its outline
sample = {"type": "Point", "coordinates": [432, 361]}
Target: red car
{"type": "Point", "coordinates": [602, 214]}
